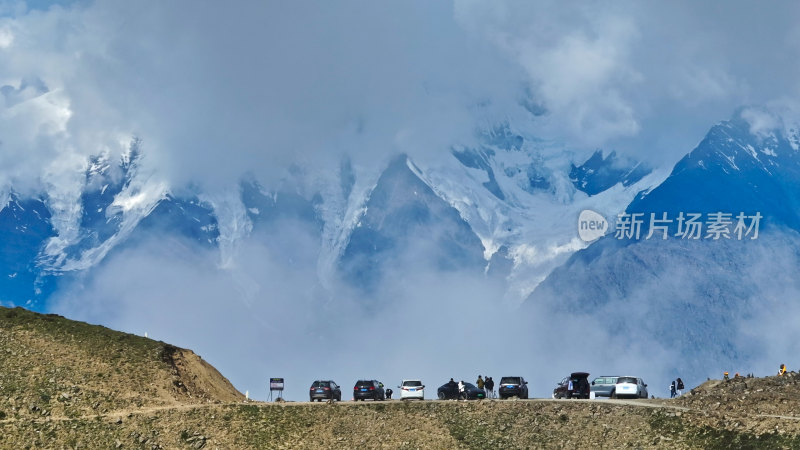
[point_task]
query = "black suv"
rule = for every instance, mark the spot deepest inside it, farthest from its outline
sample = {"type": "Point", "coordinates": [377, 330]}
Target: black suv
{"type": "Point", "coordinates": [324, 389]}
{"type": "Point", "coordinates": [365, 389]}
{"type": "Point", "coordinates": [513, 387]}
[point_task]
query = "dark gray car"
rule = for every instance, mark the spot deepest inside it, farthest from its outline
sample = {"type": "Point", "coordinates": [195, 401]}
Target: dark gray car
{"type": "Point", "coordinates": [513, 387]}
{"type": "Point", "coordinates": [324, 390]}
{"type": "Point", "coordinates": [368, 389]}
{"type": "Point", "coordinates": [602, 386]}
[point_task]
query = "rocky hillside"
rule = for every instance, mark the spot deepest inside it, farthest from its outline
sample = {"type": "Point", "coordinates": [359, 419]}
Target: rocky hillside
{"type": "Point", "coordinates": [52, 366]}
{"type": "Point", "coordinates": [398, 425]}
{"type": "Point", "coordinates": [66, 384]}
{"type": "Point", "coordinates": [737, 399]}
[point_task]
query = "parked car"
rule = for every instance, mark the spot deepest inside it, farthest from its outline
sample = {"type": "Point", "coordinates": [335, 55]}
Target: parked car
{"type": "Point", "coordinates": [449, 391]}
{"type": "Point", "coordinates": [324, 389]}
{"type": "Point", "coordinates": [411, 389]}
{"type": "Point", "coordinates": [630, 387]}
{"type": "Point", "coordinates": [576, 385]}
{"type": "Point", "coordinates": [603, 385]}
{"type": "Point", "coordinates": [372, 389]}
{"type": "Point", "coordinates": [513, 387]}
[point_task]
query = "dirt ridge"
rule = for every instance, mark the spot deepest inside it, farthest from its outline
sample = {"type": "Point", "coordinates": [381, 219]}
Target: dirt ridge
{"type": "Point", "coordinates": [67, 384]}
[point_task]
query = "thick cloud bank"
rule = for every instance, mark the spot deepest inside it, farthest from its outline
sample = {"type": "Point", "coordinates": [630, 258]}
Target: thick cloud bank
{"type": "Point", "coordinates": [216, 90]}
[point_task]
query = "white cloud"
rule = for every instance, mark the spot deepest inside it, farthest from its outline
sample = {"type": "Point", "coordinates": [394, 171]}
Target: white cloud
{"type": "Point", "coordinates": [6, 38]}
{"type": "Point", "coordinates": [762, 121]}
{"type": "Point", "coordinates": [215, 91]}
{"type": "Point", "coordinates": [218, 91]}
{"type": "Point", "coordinates": [648, 79]}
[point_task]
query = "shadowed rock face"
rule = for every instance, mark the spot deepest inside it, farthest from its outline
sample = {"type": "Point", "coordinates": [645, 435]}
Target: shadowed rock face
{"type": "Point", "coordinates": [599, 173]}
{"type": "Point", "coordinates": [405, 218]}
{"type": "Point", "coordinates": [734, 170]}
{"type": "Point", "coordinates": [25, 228]}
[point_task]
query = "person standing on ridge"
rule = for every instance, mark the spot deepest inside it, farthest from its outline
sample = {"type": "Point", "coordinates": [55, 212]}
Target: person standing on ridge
{"type": "Point", "coordinates": [453, 387]}
{"type": "Point", "coordinates": [782, 370]}
{"type": "Point", "coordinates": [489, 383]}
{"type": "Point", "coordinates": [479, 383]}
{"type": "Point", "coordinates": [679, 386]}
{"type": "Point", "coordinates": [672, 389]}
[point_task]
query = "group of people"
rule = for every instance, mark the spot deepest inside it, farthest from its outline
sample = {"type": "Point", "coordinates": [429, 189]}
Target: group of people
{"type": "Point", "coordinates": [676, 388]}
{"type": "Point", "coordinates": [727, 377]}
{"type": "Point", "coordinates": [487, 385]}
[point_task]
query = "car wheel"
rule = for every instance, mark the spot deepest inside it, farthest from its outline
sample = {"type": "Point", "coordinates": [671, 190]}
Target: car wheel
{"type": "Point", "coordinates": [442, 396]}
{"type": "Point", "coordinates": [613, 394]}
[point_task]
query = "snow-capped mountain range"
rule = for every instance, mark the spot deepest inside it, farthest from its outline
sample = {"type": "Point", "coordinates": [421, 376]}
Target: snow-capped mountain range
{"type": "Point", "coordinates": [506, 207]}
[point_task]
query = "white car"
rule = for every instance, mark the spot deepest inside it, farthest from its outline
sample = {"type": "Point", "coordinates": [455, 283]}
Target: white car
{"type": "Point", "coordinates": [412, 389]}
{"type": "Point", "coordinates": [631, 387]}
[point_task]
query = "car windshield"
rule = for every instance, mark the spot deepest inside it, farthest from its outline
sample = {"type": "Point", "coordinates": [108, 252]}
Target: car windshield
{"type": "Point", "coordinates": [318, 384]}
{"type": "Point", "coordinates": [605, 380]}
{"type": "Point", "coordinates": [413, 383]}
{"type": "Point", "coordinates": [363, 383]}
{"type": "Point", "coordinates": [631, 380]}
{"type": "Point", "coordinates": [509, 380]}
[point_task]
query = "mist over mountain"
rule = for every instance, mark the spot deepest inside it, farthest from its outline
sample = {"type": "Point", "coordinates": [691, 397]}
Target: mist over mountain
{"type": "Point", "coordinates": [708, 300]}
{"type": "Point", "coordinates": [445, 209]}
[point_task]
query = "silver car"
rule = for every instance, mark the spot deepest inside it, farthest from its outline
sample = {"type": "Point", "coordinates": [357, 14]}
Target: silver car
{"type": "Point", "coordinates": [630, 387]}
{"type": "Point", "coordinates": [602, 386]}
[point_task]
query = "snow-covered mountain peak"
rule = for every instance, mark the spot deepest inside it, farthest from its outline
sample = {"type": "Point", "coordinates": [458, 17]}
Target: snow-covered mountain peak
{"type": "Point", "coordinates": [517, 195]}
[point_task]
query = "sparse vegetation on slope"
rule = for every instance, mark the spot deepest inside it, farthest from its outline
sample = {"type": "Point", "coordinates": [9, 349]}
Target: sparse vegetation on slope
{"type": "Point", "coordinates": [52, 366]}
{"type": "Point", "coordinates": [66, 384]}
